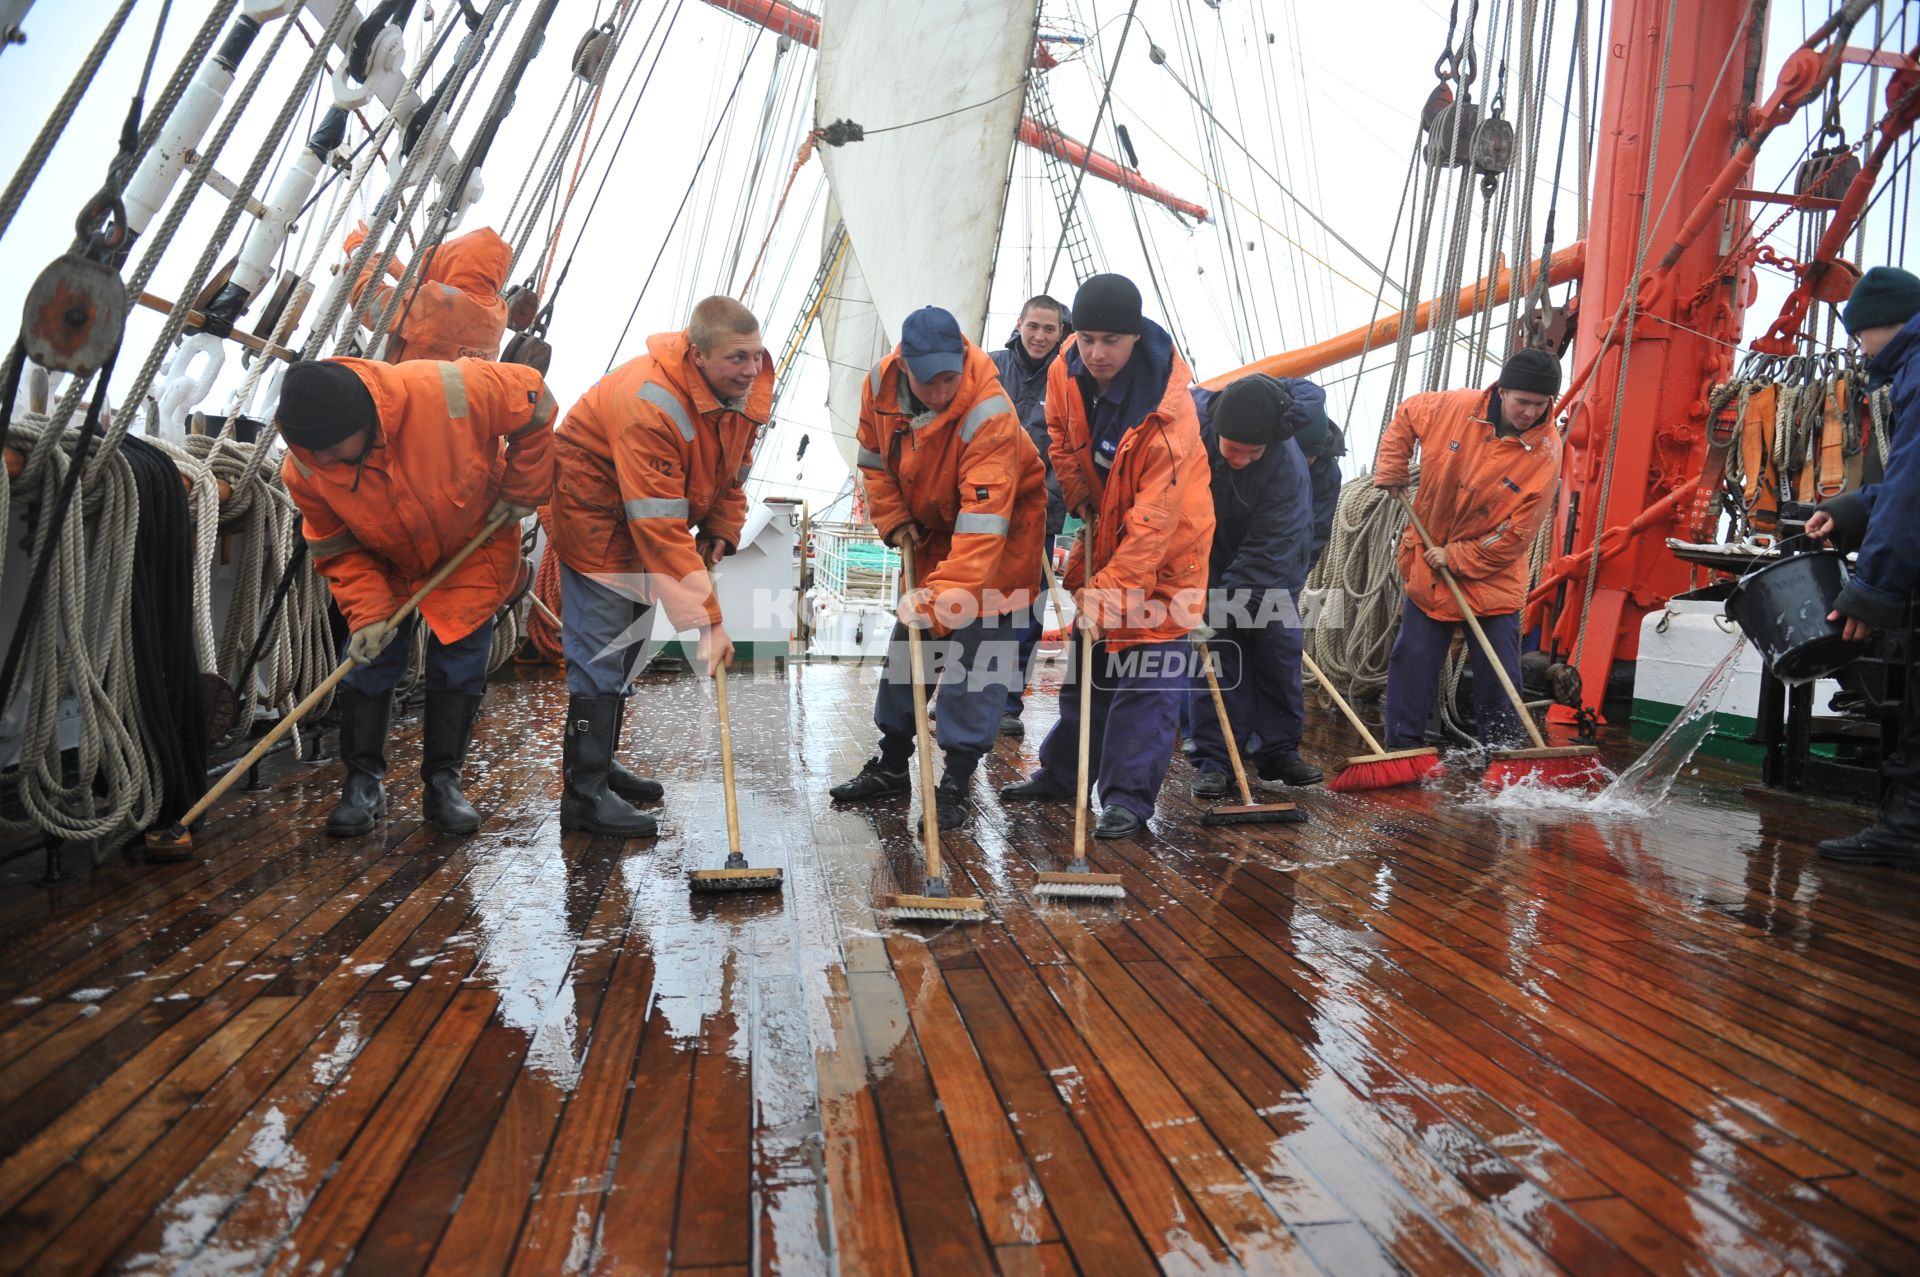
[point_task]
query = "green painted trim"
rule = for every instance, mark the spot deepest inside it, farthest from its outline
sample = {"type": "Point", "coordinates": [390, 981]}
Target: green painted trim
{"type": "Point", "coordinates": [1728, 739]}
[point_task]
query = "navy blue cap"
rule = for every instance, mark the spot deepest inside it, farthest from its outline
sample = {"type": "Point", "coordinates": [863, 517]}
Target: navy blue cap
{"type": "Point", "coordinates": [931, 343]}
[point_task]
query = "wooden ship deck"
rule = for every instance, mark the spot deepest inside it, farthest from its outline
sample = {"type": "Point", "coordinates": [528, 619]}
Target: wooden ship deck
{"type": "Point", "coordinates": [1412, 1035]}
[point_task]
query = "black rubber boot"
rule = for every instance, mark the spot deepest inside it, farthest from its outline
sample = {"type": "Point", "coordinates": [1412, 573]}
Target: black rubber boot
{"type": "Point", "coordinates": [446, 730]}
{"type": "Point", "coordinates": [587, 804]}
{"type": "Point", "coordinates": [363, 749]}
{"type": "Point", "coordinates": [633, 788]}
{"type": "Point", "coordinates": [1894, 841]}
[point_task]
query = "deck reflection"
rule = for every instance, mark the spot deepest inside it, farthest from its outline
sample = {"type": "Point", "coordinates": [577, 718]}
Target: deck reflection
{"type": "Point", "coordinates": [1419, 1033]}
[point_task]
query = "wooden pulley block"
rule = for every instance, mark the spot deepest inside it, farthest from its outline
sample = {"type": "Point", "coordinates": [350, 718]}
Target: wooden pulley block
{"type": "Point", "coordinates": [592, 51]}
{"type": "Point", "coordinates": [1450, 137]}
{"type": "Point", "coordinates": [1492, 150]}
{"type": "Point", "coordinates": [530, 351]}
{"type": "Point", "coordinates": [523, 306]}
{"type": "Point", "coordinates": [75, 313]}
{"type": "Point", "coordinates": [1827, 173]}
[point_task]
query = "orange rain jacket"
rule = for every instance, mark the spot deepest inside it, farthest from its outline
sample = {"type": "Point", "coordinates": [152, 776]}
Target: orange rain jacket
{"type": "Point", "coordinates": [377, 529]}
{"type": "Point", "coordinates": [969, 475]}
{"type": "Point", "coordinates": [1154, 526]}
{"type": "Point", "coordinates": [646, 457]}
{"type": "Point", "coordinates": [1481, 496]}
{"type": "Point", "coordinates": [457, 311]}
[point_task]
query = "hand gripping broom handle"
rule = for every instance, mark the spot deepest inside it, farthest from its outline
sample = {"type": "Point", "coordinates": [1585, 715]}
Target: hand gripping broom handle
{"type": "Point", "coordinates": [318, 694]}
{"type": "Point", "coordinates": [1086, 693]}
{"type": "Point", "coordinates": [1326, 684]}
{"type": "Point", "coordinates": [1480, 635]}
{"type": "Point", "coordinates": [726, 747]}
{"type": "Point", "coordinates": [923, 737]}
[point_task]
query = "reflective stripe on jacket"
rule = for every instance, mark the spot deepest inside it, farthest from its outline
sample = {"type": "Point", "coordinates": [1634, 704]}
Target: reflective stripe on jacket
{"type": "Point", "coordinates": [650, 459]}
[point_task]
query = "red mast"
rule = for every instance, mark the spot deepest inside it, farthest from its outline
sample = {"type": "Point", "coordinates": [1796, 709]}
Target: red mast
{"type": "Point", "coordinates": [1630, 445]}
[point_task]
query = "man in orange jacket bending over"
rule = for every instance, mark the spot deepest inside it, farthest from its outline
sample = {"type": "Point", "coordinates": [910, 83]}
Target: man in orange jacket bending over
{"type": "Point", "coordinates": [949, 470]}
{"type": "Point", "coordinates": [649, 494]}
{"type": "Point", "coordinates": [395, 467]}
{"type": "Point", "coordinates": [1127, 450]}
{"type": "Point", "coordinates": [1488, 463]}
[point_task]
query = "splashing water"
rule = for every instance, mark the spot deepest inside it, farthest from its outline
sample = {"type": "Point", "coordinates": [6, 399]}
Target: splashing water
{"type": "Point", "coordinates": [1642, 787]}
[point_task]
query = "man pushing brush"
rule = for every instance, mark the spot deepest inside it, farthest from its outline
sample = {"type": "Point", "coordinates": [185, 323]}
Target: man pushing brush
{"type": "Point", "coordinates": [1488, 462]}
{"type": "Point", "coordinates": [951, 477]}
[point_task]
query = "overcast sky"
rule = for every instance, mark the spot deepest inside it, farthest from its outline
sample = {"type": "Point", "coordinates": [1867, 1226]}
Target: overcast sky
{"type": "Point", "coordinates": [1328, 106]}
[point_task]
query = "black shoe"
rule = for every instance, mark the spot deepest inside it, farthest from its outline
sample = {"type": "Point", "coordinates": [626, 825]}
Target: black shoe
{"type": "Point", "coordinates": [1212, 785]}
{"type": "Point", "coordinates": [635, 789]}
{"type": "Point", "coordinates": [587, 803]}
{"type": "Point", "coordinates": [1035, 788]}
{"type": "Point", "coordinates": [446, 731]}
{"type": "Point", "coordinates": [1894, 841]}
{"type": "Point", "coordinates": [950, 804]}
{"type": "Point", "coordinates": [1290, 769]}
{"type": "Point", "coordinates": [363, 748]}
{"type": "Point", "coordinates": [1117, 822]}
{"type": "Point", "coordinates": [1010, 725]}
{"type": "Point", "coordinates": [874, 781]}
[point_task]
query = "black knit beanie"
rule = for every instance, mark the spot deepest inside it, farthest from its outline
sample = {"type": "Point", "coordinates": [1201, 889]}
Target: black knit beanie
{"type": "Point", "coordinates": [323, 402]}
{"type": "Point", "coordinates": [1885, 295]}
{"type": "Point", "coordinates": [1107, 304]}
{"type": "Point", "coordinates": [1532, 372]}
{"type": "Point", "coordinates": [1256, 410]}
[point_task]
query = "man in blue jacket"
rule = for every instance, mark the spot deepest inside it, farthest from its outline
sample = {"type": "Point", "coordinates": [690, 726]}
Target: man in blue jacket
{"type": "Point", "coordinates": [1323, 444]}
{"type": "Point", "coordinates": [1883, 520]}
{"type": "Point", "coordinates": [1262, 550]}
{"type": "Point", "coordinates": [1023, 365]}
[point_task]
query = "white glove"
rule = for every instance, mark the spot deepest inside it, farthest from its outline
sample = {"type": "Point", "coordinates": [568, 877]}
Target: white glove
{"type": "Point", "coordinates": [514, 512]}
{"type": "Point", "coordinates": [369, 641]}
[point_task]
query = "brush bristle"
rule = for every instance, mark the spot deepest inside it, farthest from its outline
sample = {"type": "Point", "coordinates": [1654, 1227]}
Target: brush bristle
{"type": "Point", "coordinates": [169, 846]}
{"type": "Point", "coordinates": [1579, 771]}
{"type": "Point", "coordinates": [1385, 773]}
{"type": "Point", "coordinates": [1274, 814]}
{"type": "Point", "coordinates": [733, 880]}
{"type": "Point", "coordinates": [922, 913]}
{"type": "Point", "coordinates": [1080, 890]}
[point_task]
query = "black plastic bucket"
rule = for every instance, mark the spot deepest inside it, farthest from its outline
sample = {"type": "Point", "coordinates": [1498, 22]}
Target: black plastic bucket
{"type": "Point", "coordinates": [1783, 609]}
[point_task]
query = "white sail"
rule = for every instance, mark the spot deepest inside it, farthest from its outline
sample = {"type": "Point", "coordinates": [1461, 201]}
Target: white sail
{"type": "Point", "coordinates": [940, 90]}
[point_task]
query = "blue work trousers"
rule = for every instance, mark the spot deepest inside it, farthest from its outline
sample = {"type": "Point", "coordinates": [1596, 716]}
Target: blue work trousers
{"type": "Point", "coordinates": [1135, 708]}
{"type": "Point", "coordinates": [1413, 677]}
{"type": "Point", "coordinates": [973, 668]}
{"type": "Point", "coordinates": [1259, 673]}
{"type": "Point", "coordinates": [459, 666]}
{"type": "Point", "coordinates": [603, 635]}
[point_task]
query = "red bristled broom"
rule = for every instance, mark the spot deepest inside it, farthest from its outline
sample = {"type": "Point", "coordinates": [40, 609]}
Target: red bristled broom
{"type": "Point", "coordinates": [1562, 766]}
{"type": "Point", "coordinates": [1379, 768]}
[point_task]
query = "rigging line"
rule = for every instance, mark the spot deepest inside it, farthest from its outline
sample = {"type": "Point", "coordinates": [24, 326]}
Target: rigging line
{"type": "Point", "coordinates": [632, 113]}
{"type": "Point", "coordinates": [745, 63]}
{"type": "Point", "coordinates": [1379, 295]}
{"type": "Point", "coordinates": [1319, 221]}
{"type": "Point", "coordinates": [776, 86]}
{"type": "Point", "coordinates": [1106, 96]}
{"type": "Point", "coordinates": [958, 110]}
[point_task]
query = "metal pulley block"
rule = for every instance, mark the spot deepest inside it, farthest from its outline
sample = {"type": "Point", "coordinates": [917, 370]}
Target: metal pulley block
{"type": "Point", "coordinates": [1827, 173]}
{"type": "Point", "coordinates": [74, 315]}
{"type": "Point", "coordinates": [591, 52]}
{"type": "Point", "coordinates": [1492, 150]}
{"type": "Point", "coordinates": [530, 351]}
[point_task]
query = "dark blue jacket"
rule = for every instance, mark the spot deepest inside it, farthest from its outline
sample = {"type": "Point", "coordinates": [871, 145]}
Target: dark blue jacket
{"type": "Point", "coordinates": [1325, 471]}
{"type": "Point", "coordinates": [1889, 562]}
{"type": "Point", "coordinates": [1026, 384]}
{"type": "Point", "coordinates": [1141, 386]}
{"type": "Point", "coordinates": [1263, 514]}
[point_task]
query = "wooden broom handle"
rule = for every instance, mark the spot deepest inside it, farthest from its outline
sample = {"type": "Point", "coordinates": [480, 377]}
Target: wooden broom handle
{"type": "Point", "coordinates": [1480, 635]}
{"type": "Point", "coordinates": [327, 684]}
{"type": "Point", "coordinates": [1085, 640]}
{"type": "Point", "coordinates": [923, 736]}
{"type": "Point", "coordinates": [1226, 725]}
{"type": "Point", "coordinates": [1326, 684]}
{"type": "Point", "coordinates": [726, 745]}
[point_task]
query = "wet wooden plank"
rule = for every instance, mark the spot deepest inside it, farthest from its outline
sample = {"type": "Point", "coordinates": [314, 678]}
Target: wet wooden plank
{"type": "Point", "coordinates": [1092, 1218]}
{"type": "Point", "coordinates": [1043, 1259]}
{"type": "Point", "coordinates": [641, 1201]}
{"type": "Point", "coordinates": [338, 1216]}
{"type": "Point", "coordinates": [714, 1225]}
{"type": "Point", "coordinates": [1006, 1194]}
